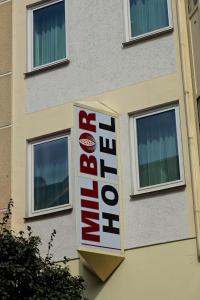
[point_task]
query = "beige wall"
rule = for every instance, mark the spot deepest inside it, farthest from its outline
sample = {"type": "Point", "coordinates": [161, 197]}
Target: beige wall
{"type": "Point", "coordinates": [5, 155]}
{"type": "Point", "coordinates": [194, 27]}
{"type": "Point", "coordinates": [5, 102]}
{"type": "Point", "coordinates": [163, 272]}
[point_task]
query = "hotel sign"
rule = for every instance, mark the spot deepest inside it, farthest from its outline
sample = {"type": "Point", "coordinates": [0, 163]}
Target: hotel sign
{"type": "Point", "coordinates": [97, 170]}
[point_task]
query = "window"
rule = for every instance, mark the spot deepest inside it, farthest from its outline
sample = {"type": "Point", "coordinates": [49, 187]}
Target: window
{"type": "Point", "coordinates": [47, 34]}
{"type": "Point", "coordinates": [49, 174]}
{"type": "Point", "coordinates": [148, 17]}
{"type": "Point", "coordinates": [157, 150]}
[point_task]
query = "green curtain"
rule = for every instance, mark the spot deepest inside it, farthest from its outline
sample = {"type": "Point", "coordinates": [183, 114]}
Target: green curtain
{"type": "Point", "coordinates": [148, 15]}
{"type": "Point", "coordinates": [157, 149]}
{"type": "Point", "coordinates": [51, 177]}
{"type": "Point", "coordinates": [49, 38]}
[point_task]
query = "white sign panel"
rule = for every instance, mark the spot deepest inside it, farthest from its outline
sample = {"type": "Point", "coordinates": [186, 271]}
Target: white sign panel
{"type": "Point", "coordinates": [97, 179]}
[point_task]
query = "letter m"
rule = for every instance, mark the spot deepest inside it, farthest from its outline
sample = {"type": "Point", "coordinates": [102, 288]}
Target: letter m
{"type": "Point", "coordinates": [87, 217]}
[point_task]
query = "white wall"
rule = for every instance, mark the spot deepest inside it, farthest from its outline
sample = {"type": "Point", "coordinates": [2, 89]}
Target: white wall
{"type": "Point", "coordinates": [151, 218]}
{"type": "Point", "coordinates": [65, 241]}
{"type": "Point", "coordinates": [98, 62]}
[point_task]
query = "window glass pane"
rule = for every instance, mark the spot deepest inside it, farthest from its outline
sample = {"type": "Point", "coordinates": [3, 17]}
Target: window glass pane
{"type": "Point", "coordinates": [148, 15]}
{"type": "Point", "coordinates": [49, 34]}
{"type": "Point", "coordinates": [157, 149]}
{"type": "Point", "coordinates": [51, 174]}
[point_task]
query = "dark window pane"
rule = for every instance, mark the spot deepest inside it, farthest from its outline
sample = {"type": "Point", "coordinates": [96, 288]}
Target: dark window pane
{"type": "Point", "coordinates": [157, 149]}
{"type": "Point", "coordinates": [148, 15]}
{"type": "Point", "coordinates": [51, 174]}
{"type": "Point", "coordinates": [49, 42]}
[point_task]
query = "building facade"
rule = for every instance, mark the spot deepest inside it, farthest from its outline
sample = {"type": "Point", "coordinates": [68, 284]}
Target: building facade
{"type": "Point", "coordinates": [104, 139]}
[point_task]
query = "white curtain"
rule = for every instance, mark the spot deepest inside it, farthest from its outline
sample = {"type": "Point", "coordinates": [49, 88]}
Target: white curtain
{"type": "Point", "coordinates": [148, 15]}
{"type": "Point", "coordinates": [49, 42]}
{"type": "Point", "coordinates": [157, 149]}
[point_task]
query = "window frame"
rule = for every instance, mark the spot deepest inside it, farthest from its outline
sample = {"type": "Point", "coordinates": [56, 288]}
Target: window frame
{"type": "Point", "coordinates": [134, 153]}
{"type": "Point", "coordinates": [30, 26]}
{"type": "Point", "coordinates": [128, 34]}
{"type": "Point", "coordinates": [31, 212]}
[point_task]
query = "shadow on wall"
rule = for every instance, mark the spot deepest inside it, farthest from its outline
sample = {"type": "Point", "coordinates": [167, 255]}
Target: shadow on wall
{"type": "Point", "coordinates": [93, 284]}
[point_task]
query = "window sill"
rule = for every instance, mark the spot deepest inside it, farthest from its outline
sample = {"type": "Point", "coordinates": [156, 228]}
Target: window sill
{"type": "Point", "coordinates": [155, 191]}
{"type": "Point", "coordinates": [46, 68]}
{"type": "Point", "coordinates": [146, 37]}
{"type": "Point", "coordinates": [48, 214]}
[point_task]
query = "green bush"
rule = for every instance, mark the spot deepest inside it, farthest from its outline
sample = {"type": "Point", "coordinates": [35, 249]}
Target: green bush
{"type": "Point", "coordinates": [24, 274]}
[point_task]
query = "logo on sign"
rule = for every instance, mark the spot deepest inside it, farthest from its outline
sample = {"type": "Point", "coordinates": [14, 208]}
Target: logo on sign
{"type": "Point", "coordinates": [87, 142]}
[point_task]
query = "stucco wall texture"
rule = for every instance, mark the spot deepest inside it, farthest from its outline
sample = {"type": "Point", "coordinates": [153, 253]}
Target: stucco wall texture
{"type": "Point", "coordinates": [150, 219]}
{"type": "Point", "coordinates": [98, 62]}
